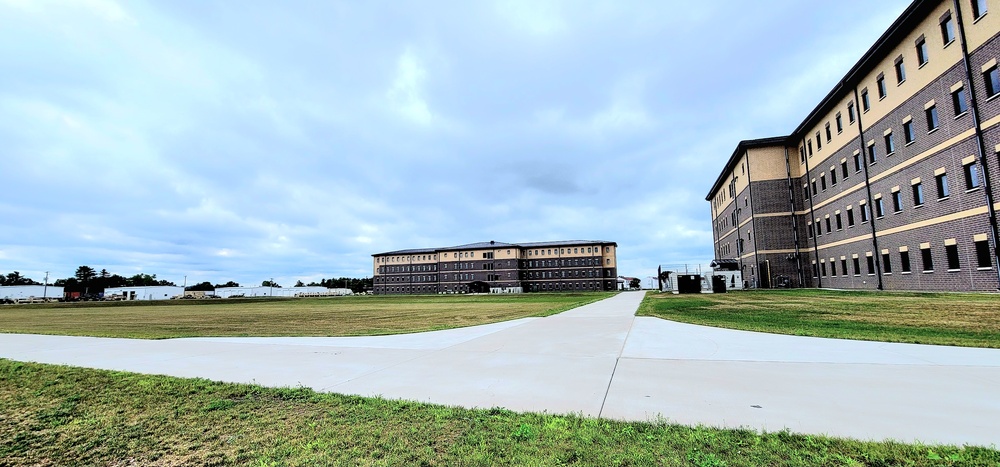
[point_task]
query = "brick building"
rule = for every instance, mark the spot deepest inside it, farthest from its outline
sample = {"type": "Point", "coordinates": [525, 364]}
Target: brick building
{"type": "Point", "coordinates": [498, 267]}
{"type": "Point", "coordinates": [891, 181]}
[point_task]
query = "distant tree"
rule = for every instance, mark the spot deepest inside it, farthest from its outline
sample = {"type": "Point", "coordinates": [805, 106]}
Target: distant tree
{"type": "Point", "coordinates": [356, 285]}
{"type": "Point", "coordinates": [227, 284]}
{"type": "Point", "coordinates": [104, 274]}
{"type": "Point", "coordinates": [204, 287]}
{"type": "Point", "coordinates": [15, 278]}
{"type": "Point", "coordinates": [84, 274]}
{"type": "Point", "coordinates": [146, 280]}
{"type": "Point", "coordinates": [299, 284]}
{"type": "Point", "coordinates": [635, 283]}
{"type": "Point", "coordinates": [270, 284]}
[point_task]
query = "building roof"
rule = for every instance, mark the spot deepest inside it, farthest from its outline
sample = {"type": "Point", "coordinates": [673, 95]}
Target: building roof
{"type": "Point", "coordinates": [495, 244]}
{"type": "Point", "coordinates": [738, 152]}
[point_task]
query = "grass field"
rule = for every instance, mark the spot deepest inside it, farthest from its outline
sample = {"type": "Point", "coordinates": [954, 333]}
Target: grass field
{"type": "Point", "coordinates": [54, 415]}
{"type": "Point", "coordinates": [971, 320]}
{"type": "Point", "coordinates": [340, 316]}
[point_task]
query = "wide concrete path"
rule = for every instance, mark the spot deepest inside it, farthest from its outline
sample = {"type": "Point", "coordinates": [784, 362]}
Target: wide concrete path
{"type": "Point", "coordinates": [600, 360]}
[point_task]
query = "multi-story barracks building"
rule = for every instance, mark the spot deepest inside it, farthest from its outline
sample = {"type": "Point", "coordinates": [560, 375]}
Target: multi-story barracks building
{"type": "Point", "coordinates": [496, 267]}
{"type": "Point", "coordinates": [891, 182]}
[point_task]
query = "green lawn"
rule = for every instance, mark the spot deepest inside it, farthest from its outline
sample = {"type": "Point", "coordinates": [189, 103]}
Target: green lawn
{"type": "Point", "coordinates": [961, 319]}
{"type": "Point", "coordinates": [55, 415]}
{"type": "Point", "coordinates": [338, 316]}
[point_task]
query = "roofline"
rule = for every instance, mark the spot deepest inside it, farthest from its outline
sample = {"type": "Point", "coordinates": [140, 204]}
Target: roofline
{"type": "Point", "coordinates": [738, 152]}
{"type": "Point", "coordinates": [913, 14]}
{"type": "Point", "coordinates": [499, 245]}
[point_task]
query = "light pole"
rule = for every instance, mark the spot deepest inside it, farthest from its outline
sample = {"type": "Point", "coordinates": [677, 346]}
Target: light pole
{"type": "Point", "coordinates": [45, 290]}
{"type": "Point", "coordinates": [272, 287]}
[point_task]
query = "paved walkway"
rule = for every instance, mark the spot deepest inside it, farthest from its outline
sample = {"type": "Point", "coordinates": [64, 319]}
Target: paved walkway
{"type": "Point", "coordinates": [600, 360]}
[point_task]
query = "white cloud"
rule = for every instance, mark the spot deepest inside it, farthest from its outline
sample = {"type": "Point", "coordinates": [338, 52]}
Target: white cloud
{"type": "Point", "coordinates": [406, 94]}
{"type": "Point", "coordinates": [536, 17]}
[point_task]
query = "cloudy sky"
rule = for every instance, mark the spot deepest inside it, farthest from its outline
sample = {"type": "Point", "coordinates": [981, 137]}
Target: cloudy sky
{"type": "Point", "coordinates": [244, 140]}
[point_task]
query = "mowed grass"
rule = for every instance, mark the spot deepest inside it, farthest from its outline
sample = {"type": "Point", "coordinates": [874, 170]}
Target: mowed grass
{"type": "Point", "coordinates": [335, 316]}
{"type": "Point", "coordinates": [961, 319]}
{"type": "Point", "coordinates": [56, 415]}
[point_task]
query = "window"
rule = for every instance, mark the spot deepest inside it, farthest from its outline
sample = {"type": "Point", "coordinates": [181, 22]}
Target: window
{"type": "Point", "coordinates": [978, 8]}
{"type": "Point", "coordinates": [857, 266]}
{"type": "Point", "coordinates": [890, 144]}
{"type": "Point", "coordinates": [819, 142]}
{"type": "Point", "coordinates": [833, 267]}
{"type": "Point", "coordinates": [829, 135]}
{"type": "Point", "coordinates": [947, 29]}
{"type": "Point", "coordinates": [805, 190]}
{"type": "Point", "coordinates": [904, 261]}
{"type": "Point", "coordinates": [802, 154]}
{"type": "Point", "coordinates": [865, 102]}
{"type": "Point", "coordinates": [871, 264]}
{"type": "Point", "coordinates": [922, 56]}
{"type": "Point", "coordinates": [879, 208]}
{"type": "Point", "coordinates": [843, 265]}
{"type": "Point", "coordinates": [941, 180]}
{"type": "Point", "coordinates": [809, 144]}
{"type": "Point", "coordinates": [850, 112]}
{"type": "Point", "coordinates": [900, 70]}
{"type": "Point", "coordinates": [822, 267]}
{"type": "Point", "coordinates": [983, 257]}
{"type": "Point", "coordinates": [971, 176]}
{"type": "Point", "coordinates": [840, 123]}
{"type": "Point", "coordinates": [951, 252]}
{"type": "Point", "coordinates": [843, 169]}
{"type": "Point", "coordinates": [857, 162]}
{"type": "Point", "coordinates": [872, 156]}
{"type": "Point", "coordinates": [822, 181]}
{"type": "Point", "coordinates": [833, 176]}
{"type": "Point", "coordinates": [886, 264]}
{"type": "Point", "coordinates": [864, 213]}
{"type": "Point", "coordinates": [897, 201]}
{"type": "Point", "coordinates": [828, 229]}
{"type": "Point", "coordinates": [908, 133]}
{"type": "Point", "coordinates": [819, 228]}
{"type": "Point", "coordinates": [918, 194]}
{"type": "Point", "coordinates": [958, 100]}
{"type": "Point", "coordinates": [814, 187]}
{"type": "Point", "coordinates": [809, 229]}
{"type": "Point", "coordinates": [880, 83]}
{"type": "Point", "coordinates": [850, 218]}
{"type": "Point", "coordinates": [840, 223]}
{"type": "Point", "coordinates": [992, 79]}
{"type": "Point", "coordinates": [932, 117]}
{"type": "Point", "coordinates": [926, 258]}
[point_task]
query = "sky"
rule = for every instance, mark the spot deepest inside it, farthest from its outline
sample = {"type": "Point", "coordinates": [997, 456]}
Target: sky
{"type": "Point", "coordinates": [218, 140]}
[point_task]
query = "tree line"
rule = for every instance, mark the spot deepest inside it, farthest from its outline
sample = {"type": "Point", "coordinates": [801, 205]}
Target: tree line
{"type": "Point", "coordinates": [87, 280]}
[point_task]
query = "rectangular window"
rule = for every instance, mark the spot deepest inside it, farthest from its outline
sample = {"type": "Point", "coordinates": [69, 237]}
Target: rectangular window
{"type": "Point", "coordinates": [872, 156]}
{"type": "Point", "coordinates": [978, 8]}
{"type": "Point", "coordinates": [822, 181]}
{"type": "Point", "coordinates": [879, 208]}
{"type": "Point", "coordinates": [829, 135]}
{"type": "Point", "coordinates": [897, 201]}
{"type": "Point", "coordinates": [871, 265]}
{"type": "Point", "coordinates": [971, 176]}
{"type": "Point", "coordinates": [900, 70]}
{"type": "Point", "coordinates": [850, 218]}
{"type": "Point", "coordinates": [958, 100]}
{"type": "Point", "coordinates": [922, 56]}
{"type": "Point", "coordinates": [880, 83]}
{"type": "Point", "coordinates": [886, 264]}
{"type": "Point", "coordinates": [840, 123]}
{"type": "Point", "coordinates": [805, 190]}
{"type": "Point", "coordinates": [927, 259]}
{"type": "Point", "coordinates": [822, 268]}
{"type": "Point", "coordinates": [865, 102]}
{"type": "Point", "coordinates": [947, 29]}
{"type": "Point", "coordinates": [857, 266]}
{"type": "Point", "coordinates": [992, 79]}
{"type": "Point", "coordinates": [819, 142]}
{"type": "Point", "coordinates": [890, 144]}
{"type": "Point", "coordinates": [857, 162]}
{"type": "Point", "coordinates": [918, 194]}
{"type": "Point", "coordinates": [809, 229]}
{"type": "Point", "coordinates": [904, 261]}
{"type": "Point", "coordinates": [814, 187]}
{"type": "Point", "coordinates": [843, 266]}
{"type": "Point", "coordinates": [864, 213]}
{"type": "Point", "coordinates": [983, 257]}
{"type": "Point", "coordinates": [840, 224]}
{"type": "Point", "coordinates": [908, 133]}
{"type": "Point", "coordinates": [843, 169]}
{"type": "Point", "coordinates": [833, 176]}
{"type": "Point", "coordinates": [809, 144]}
{"type": "Point", "coordinates": [850, 112]}
{"type": "Point", "coordinates": [932, 117]}
{"type": "Point", "coordinates": [802, 154]}
{"type": "Point", "coordinates": [942, 185]}
{"type": "Point", "coordinates": [951, 252]}
{"type": "Point", "coordinates": [828, 229]}
{"type": "Point", "coordinates": [819, 228]}
{"type": "Point", "coordinates": [833, 268]}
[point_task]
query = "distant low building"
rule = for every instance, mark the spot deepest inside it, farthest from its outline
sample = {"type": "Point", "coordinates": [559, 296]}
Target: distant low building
{"type": "Point", "coordinates": [157, 292]}
{"type": "Point", "coordinates": [266, 291]}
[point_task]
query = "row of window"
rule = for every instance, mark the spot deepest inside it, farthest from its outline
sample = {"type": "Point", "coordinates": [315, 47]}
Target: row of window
{"type": "Point", "coordinates": [991, 78]}
{"type": "Point", "coordinates": [970, 170]}
{"type": "Point", "coordinates": [984, 260]}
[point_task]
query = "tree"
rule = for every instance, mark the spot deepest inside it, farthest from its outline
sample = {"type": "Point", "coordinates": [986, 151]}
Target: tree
{"type": "Point", "coordinates": [635, 283]}
{"type": "Point", "coordinates": [299, 284]}
{"type": "Point", "coordinates": [85, 274]}
{"type": "Point", "coordinates": [15, 278]}
{"type": "Point", "coordinates": [269, 284]}
{"type": "Point", "coordinates": [227, 284]}
{"type": "Point", "coordinates": [204, 287]}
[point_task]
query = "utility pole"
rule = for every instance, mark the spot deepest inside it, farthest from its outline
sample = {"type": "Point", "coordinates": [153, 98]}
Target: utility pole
{"type": "Point", "coordinates": [45, 290]}
{"type": "Point", "coordinates": [272, 286]}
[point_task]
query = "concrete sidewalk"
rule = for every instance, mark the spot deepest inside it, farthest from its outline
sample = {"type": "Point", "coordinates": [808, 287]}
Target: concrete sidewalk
{"type": "Point", "coordinates": [600, 360]}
